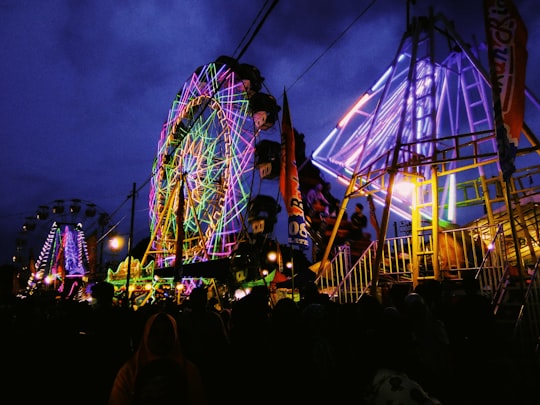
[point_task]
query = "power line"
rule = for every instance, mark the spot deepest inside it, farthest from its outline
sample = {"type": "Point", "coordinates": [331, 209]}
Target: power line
{"type": "Point", "coordinates": [244, 49]}
{"type": "Point", "coordinates": [251, 27]}
{"type": "Point", "coordinates": [257, 29]}
{"type": "Point", "coordinates": [332, 44]}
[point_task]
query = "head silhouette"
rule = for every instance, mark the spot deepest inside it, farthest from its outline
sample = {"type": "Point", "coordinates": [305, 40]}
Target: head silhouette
{"type": "Point", "coordinates": [161, 335]}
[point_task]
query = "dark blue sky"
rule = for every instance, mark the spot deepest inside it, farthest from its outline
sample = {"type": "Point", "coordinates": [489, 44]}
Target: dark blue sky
{"type": "Point", "coordinates": [86, 86]}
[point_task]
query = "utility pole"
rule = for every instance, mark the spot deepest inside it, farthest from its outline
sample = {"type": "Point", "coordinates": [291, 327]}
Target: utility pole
{"type": "Point", "coordinates": [130, 243]}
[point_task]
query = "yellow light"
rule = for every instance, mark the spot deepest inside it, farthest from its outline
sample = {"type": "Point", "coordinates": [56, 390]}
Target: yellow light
{"type": "Point", "coordinates": [272, 256]}
{"type": "Point", "coordinates": [116, 243]}
{"type": "Point", "coordinates": [404, 188]}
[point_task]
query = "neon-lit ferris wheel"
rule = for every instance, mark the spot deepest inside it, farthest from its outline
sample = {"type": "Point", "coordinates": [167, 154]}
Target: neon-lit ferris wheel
{"type": "Point", "coordinates": [58, 242]}
{"type": "Point", "coordinates": [203, 172]}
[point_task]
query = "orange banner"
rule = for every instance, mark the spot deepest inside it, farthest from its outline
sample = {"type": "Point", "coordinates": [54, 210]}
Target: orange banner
{"type": "Point", "coordinates": [507, 51]}
{"type": "Point", "coordinates": [290, 183]}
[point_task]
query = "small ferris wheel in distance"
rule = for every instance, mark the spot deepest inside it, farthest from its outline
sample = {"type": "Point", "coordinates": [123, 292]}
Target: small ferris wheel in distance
{"type": "Point", "coordinates": [60, 239]}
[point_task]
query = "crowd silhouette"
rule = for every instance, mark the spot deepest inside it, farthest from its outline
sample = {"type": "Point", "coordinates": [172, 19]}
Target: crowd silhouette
{"type": "Point", "coordinates": [423, 346]}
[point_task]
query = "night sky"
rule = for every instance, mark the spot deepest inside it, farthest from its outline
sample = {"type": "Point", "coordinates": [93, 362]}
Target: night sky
{"type": "Point", "coordinates": [86, 86]}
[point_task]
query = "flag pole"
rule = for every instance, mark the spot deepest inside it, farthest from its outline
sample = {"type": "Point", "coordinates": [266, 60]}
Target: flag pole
{"type": "Point", "coordinates": [292, 271]}
{"type": "Point", "coordinates": [289, 183]}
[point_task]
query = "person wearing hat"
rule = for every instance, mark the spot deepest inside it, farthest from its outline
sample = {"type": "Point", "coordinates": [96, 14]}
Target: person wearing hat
{"type": "Point", "coordinates": [358, 222]}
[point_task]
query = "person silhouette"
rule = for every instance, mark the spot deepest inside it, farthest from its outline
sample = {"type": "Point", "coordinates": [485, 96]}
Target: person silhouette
{"type": "Point", "coordinates": [160, 381]}
{"type": "Point", "coordinates": [316, 201]}
{"type": "Point", "coordinates": [358, 222]}
{"type": "Point", "coordinates": [159, 341]}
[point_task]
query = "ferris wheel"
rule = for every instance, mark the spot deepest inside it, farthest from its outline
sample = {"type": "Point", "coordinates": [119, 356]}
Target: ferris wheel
{"type": "Point", "coordinates": [61, 233]}
{"type": "Point", "coordinates": [203, 172]}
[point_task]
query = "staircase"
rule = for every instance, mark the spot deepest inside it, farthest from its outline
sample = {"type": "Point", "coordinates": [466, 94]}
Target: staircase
{"type": "Point", "coordinates": [516, 305]}
{"type": "Point", "coordinates": [517, 308]}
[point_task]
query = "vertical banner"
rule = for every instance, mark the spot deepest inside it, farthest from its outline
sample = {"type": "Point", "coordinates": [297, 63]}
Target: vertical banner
{"type": "Point", "coordinates": [289, 182]}
{"type": "Point", "coordinates": [506, 36]}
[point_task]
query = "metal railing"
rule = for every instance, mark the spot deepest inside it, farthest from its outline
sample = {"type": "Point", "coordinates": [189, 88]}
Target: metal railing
{"type": "Point", "coordinates": [465, 250]}
{"type": "Point", "coordinates": [481, 252]}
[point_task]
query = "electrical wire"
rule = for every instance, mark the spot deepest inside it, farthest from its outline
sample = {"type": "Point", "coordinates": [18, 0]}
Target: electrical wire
{"type": "Point", "coordinates": [259, 26]}
{"type": "Point", "coordinates": [252, 25]}
{"type": "Point", "coordinates": [332, 44]}
{"type": "Point", "coordinates": [274, 3]}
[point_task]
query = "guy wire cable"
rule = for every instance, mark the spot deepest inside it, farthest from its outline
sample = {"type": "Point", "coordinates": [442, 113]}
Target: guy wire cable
{"type": "Point", "coordinates": [333, 43]}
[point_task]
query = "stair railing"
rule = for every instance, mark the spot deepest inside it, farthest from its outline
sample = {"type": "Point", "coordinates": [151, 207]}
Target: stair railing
{"type": "Point", "coordinates": [345, 281]}
{"type": "Point", "coordinates": [530, 312]}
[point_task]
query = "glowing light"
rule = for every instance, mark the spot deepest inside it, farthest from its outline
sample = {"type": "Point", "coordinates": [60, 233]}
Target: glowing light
{"type": "Point", "coordinates": [116, 243]}
{"type": "Point", "coordinates": [343, 181]}
{"type": "Point", "coordinates": [385, 75]}
{"type": "Point", "coordinates": [380, 201]}
{"type": "Point", "coordinates": [322, 145]}
{"type": "Point", "coordinates": [324, 169]}
{"type": "Point", "coordinates": [272, 256]}
{"type": "Point", "coordinates": [452, 199]}
{"type": "Point", "coordinates": [404, 187]}
{"type": "Point", "coordinates": [240, 293]}
{"type": "Point", "coordinates": [207, 142]}
{"type": "Point", "coordinates": [353, 110]}
{"type": "Point", "coordinates": [366, 95]}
